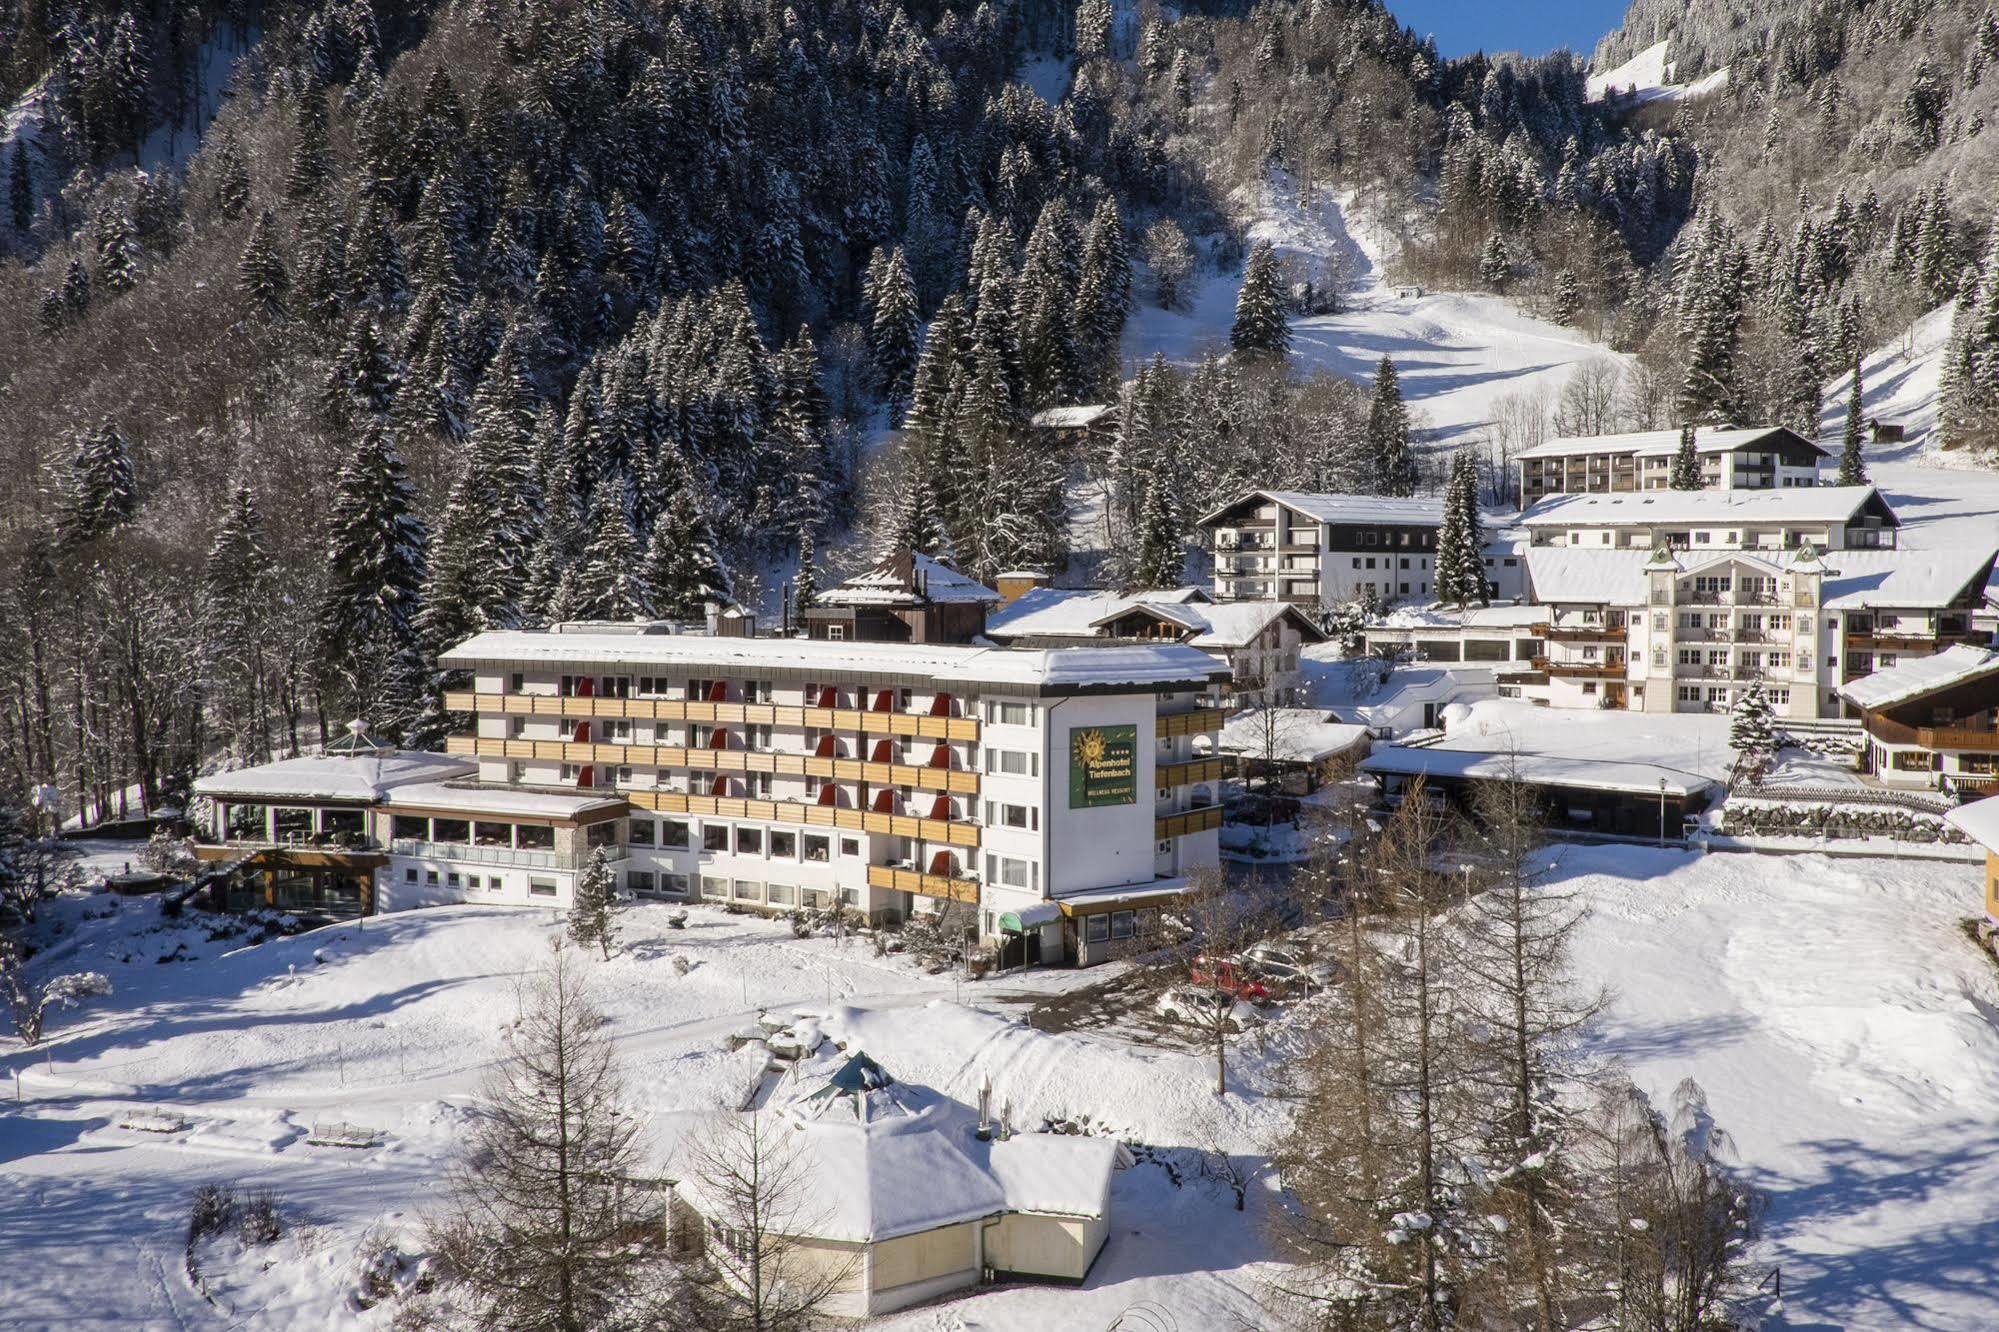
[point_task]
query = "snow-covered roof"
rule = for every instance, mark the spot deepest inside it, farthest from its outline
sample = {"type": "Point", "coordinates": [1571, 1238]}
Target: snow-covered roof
{"type": "Point", "coordinates": [1979, 821]}
{"type": "Point", "coordinates": [499, 800]}
{"type": "Point", "coordinates": [1913, 677]}
{"type": "Point", "coordinates": [1664, 443]}
{"type": "Point", "coordinates": [879, 1158]}
{"type": "Point", "coordinates": [1507, 615]}
{"type": "Point", "coordinates": [364, 777]}
{"type": "Point", "coordinates": [1067, 418]}
{"type": "Point", "coordinates": [1343, 508]}
{"type": "Point", "coordinates": [1539, 769]}
{"type": "Point", "coordinates": [1288, 735]}
{"type": "Point", "coordinates": [1795, 504]}
{"type": "Point", "coordinates": [1578, 574]}
{"type": "Point", "coordinates": [908, 579]}
{"type": "Point", "coordinates": [1916, 579]}
{"type": "Point", "coordinates": [1141, 666]}
{"type": "Point", "coordinates": [1049, 612]}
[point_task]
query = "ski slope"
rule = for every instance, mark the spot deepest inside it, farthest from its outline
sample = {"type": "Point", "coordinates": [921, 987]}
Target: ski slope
{"type": "Point", "coordinates": [1457, 352]}
{"type": "Point", "coordinates": [1648, 77]}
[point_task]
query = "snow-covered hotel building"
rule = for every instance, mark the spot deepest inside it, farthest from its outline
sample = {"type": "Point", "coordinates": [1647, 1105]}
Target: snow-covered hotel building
{"type": "Point", "coordinates": [1056, 793]}
{"type": "Point", "coordinates": [882, 777]}
{"type": "Point", "coordinates": [1760, 458]}
{"type": "Point", "coordinates": [1327, 550]}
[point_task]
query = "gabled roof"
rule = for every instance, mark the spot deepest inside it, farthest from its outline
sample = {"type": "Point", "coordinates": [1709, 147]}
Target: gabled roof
{"type": "Point", "coordinates": [1911, 579]}
{"type": "Point", "coordinates": [1050, 612]}
{"type": "Point", "coordinates": [365, 777]}
{"type": "Point", "coordinates": [1340, 508]}
{"type": "Point", "coordinates": [1655, 443]}
{"type": "Point", "coordinates": [1796, 504]}
{"type": "Point", "coordinates": [1563, 575]}
{"type": "Point", "coordinates": [1068, 418]}
{"type": "Point", "coordinates": [908, 579]}
{"type": "Point", "coordinates": [1979, 821]}
{"type": "Point", "coordinates": [1912, 678]}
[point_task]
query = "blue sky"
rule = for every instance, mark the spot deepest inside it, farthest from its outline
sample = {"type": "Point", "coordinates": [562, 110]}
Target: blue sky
{"type": "Point", "coordinates": [1535, 27]}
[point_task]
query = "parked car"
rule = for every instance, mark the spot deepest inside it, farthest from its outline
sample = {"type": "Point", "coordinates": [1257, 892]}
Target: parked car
{"type": "Point", "coordinates": [1287, 967]}
{"type": "Point", "coordinates": [1231, 976]}
{"type": "Point", "coordinates": [1202, 1007]}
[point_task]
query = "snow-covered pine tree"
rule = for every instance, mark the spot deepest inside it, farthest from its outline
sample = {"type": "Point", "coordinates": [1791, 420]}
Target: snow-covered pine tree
{"type": "Point", "coordinates": [261, 271]}
{"type": "Point", "coordinates": [1103, 297]}
{"type": "Point", "coordinates": [312, 152]}
{"type": "Point", "coordinates": [1852, 461]}
{"type": "Point", "coordinates": [1568, 297]}
{"type": "Point", "coordinates": [117, 248]}
{"type": "Point", "coordinates": [681, 567]}
{"type": "Point", "coordinates": [1260, 327]}
{"type": "Point", "coordinates": [1161, 553]}
{"type": "Point", "coordinates": [1460, 566]}
{"type": "Point", "coordinates": [232, 177]}
{"type": "Point", "coordinates": [893, 337]}
{"type": "Point", "coordinates": [103, 491]}
{"type": "Point", "coordinates": [610, 583]}
{"type": "Point", "coordinates": [76, 289]}
{"type": "Point", "coordinates": [376, 550]}
{"type": "Point", "coordinates": [235, 595]}
{"type": "Point", "coordinates": [460, 596]}
{"type": "Point", "coordinates": [1685, 472]}
{"type": "Point", "coordinates": [1391, 467]}
{"type": "Point", "coordinates": [805, 587]}
{"type": "Point", "coordinates": [1752, 733]}
{"type": "Point", "coordinates": [1495, 263]}
{"type": "Point", "coordinates": [1045, 310]}
{"type": "Point", "coordinates": [591, 917]}
{"type": "Point", "coordinates": [1094, 21]}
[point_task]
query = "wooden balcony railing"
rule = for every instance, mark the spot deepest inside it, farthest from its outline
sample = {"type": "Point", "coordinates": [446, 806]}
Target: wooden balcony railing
{"type": "Point", "coordinates": [1200, 720]}
{"type": "Point", "coordinates": [868, 722]}
{"type": "Point", "coordinates": [1872, 641]}
{"type": "Point", "coordinates": [952, 888]}
{"type": "Point", "coordinates": [956, 832]}
{"type": "Point", "coordinates": [1187, 822]}
{"type": "Point", "coordinates": [922, 778]}
{"type": "Point", "coordinates": [1189, 774]}
{"type": "Point", "coordinates": [1580, 670]}
{"type": "Point", "coordinates": [1932, 737]}
{"type": "Point", "coordinates": [1579, 633]}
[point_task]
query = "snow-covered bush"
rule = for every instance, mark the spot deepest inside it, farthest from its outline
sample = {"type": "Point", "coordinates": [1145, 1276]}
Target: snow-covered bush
{"type": "Point", "coordinates": [31, 1005]}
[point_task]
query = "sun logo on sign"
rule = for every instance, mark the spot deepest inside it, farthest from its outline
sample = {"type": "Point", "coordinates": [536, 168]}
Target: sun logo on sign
{"type": "Point", "coordinates": [1090, 749]}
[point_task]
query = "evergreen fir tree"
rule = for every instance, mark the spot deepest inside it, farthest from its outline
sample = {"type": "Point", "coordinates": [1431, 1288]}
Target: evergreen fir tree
{"type": "Point", "coordinates": [117, 249]}
{"type": "Point", "coordinates": [1260, 326]}
{"type": "Point", "coordinates": [460, 597]}
{"type": "Point", "coordinates": [103, 490]}
{"type": "Point", "coordinates": [805, 593]}
{"type": "Point", "coordinates": [1495, 265]}
{"type": "Point", "coordinates": [51, 313]}
{"type": "Point", "coordinates": [232, 178]}
{"type": "Point", "coordinates": [1685, 472]}
{"type": "Point", "coordinates": [312, 152]}
{"type": "Point", "coordinates": [1391, 467]}
{"type": "Point", "coordinates": [1045, 310]}
{"type": "Point", "coordinates": [1161, 553]}
{"type": "Point", "coordinates": [20, 187]}
{"type": "Point", "coordinates": [236, 588]}
{"type": "Point", "coordinates": [892, 337]}
{"type": "Point", "coordinates": [1751, 732]}
{"type": "Point", "coordinates": [682, 568]}
{"type": "Point", "coordinates": [1568, 297]}
{"type": "Point", "coordinates": [609, 580]}
{"type": "Point", "coordinates": [590, 916]}
{"type": "Point", "coordinates": [1852, 462]}
{"type": "Point", "coordinates": [1103, 298]}
{"type": "Point", "coordinates": [375, 556]}
{"type": "Point", "coordinates": [1460, 566]}
{"type": "Point", "coordinates": [76, 289]}
{"type": "Point", "coordinates": [261, 272]}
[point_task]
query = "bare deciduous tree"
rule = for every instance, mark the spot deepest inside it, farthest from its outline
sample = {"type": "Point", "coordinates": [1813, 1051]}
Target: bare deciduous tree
{"type": "Point", "coordinates": [548, 1224]}
{"type": "Point", "coordinates": [749, 1177]}
{"type": "Point", "coordinates": [1588, 404]}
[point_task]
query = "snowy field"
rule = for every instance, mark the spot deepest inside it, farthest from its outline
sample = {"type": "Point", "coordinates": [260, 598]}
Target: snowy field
{"type": "Point", "coordinates": [1842, 1027]}
{"type": "Point", "coordinates": [1456, 352]}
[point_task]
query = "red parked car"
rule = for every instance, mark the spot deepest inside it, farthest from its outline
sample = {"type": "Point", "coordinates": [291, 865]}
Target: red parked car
{"type": "Point", "coordinates": [1231, 977]}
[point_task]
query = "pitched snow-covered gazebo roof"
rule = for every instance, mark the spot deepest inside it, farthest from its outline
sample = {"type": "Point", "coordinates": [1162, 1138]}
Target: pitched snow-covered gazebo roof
{"type": "Point", "coordinates": [358, 767]}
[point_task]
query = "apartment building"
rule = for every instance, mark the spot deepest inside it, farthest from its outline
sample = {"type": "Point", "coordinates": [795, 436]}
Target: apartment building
{"type": "Point", "coordinates": [1763, 458]}
{"type": "Point", "coordinates": [883, 777]}
{"type": "Point", "coordinates": [1687, 631]}
{"type": "Point", "coordinates": [1327, 550]}
{"type": "Point", "coordinates": [1933, 721]}
{"type": "Point", "coordinates": [1697, 521]}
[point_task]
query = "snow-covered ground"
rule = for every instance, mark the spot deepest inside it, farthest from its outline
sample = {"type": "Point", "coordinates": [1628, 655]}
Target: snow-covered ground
{"type": "Point", "coordinates": [1456, 352]}
{"type": "Point", "coordinates": [1842, 1026]}
{"type": "Point", "coordinates": [1649, 77]}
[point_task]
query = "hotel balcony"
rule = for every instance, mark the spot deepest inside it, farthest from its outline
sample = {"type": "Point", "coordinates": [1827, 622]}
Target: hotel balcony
{"type": "Point", "coordinates": [955, 832]}
{"type": "Point", "coordinates": [1580, 670]}
{"type": "Point", "coordinates": [950, 887]}
{"type": "Point", "coordinates": [1579, 633]}
{"type": "Point", "coordinates": [876, 721]}
{"type": "Point", "coordinates": [1932, 737]}
{"type": "Point", "coordinates": [956, 780]}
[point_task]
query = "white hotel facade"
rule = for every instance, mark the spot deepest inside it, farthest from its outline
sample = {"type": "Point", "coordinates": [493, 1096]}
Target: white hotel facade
{"type": "Point", "coordinates": [1056, 792]}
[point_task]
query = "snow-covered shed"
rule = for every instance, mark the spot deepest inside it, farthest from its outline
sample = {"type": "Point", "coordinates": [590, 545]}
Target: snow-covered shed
{"type": "Point", "coordinates": [1294, 746]}
{"type": "Point", "coordinates": [906, 598]}
{"type": "Point", "coordinates": [908, 1195]}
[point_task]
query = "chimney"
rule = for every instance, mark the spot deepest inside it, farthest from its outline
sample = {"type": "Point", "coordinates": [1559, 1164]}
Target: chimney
{"type": "Point", "coordinates": [1017, 583]}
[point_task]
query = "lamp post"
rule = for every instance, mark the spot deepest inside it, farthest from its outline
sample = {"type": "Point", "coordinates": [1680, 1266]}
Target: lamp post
{"type": "Point", "coordinates": [1662, 811]}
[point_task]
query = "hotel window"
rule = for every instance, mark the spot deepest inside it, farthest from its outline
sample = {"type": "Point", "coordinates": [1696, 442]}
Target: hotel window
{"type": "Point", "coordinates": [817, 849]}
{"type": "Point", "coordinates": [640, 883]}
{"type": "Point", "coordinates": [850, 846]}
{"type": "Point", "coordinates": [451, 880]}
{"type": "Point", "coordinates": [1001, 815]}
{"type": "Point", "coordinates": [1013, 762]}
{"type": "Point", "coordinates": [758, 783]}
{"type": "Point", "coordinates": [783, 894]}
{"type": "Point", "coordinates": [1123, 924]}
{"type": "Point", "coordinates": [601, 834]}
{"type": "Point", "coordinates": [541, 888]}
{"type": "Point", "coordinates": [673, 833]}
{"type": "Point", "coordinates": [1096, 929]}
{"type": "Point", "coordinates": [409, 875]}
{"type": "Point", "coordinates": [621, 731]}
{"type": "Point", "coordinates": [534, 837]}
{"type": "Point", "coordinates": [1009, 713]}
{"type": "Point", "coordinates": [567, 772]}
{"type": "Point", "coordinates": [517, 682]}
{"type": "Point", "coordinates": [783, 845]}
{"type": "Point", "coordinates": [744, 890]}
{"type": "Point", "coordinates": [714, 837]}
{"type": "Point", "coordinates": [749, 841]}
{"type": "Point", "coordinates": [639, 832]}
{"type": "Point", "coordinates": [1012, 871]}
{"type": "Point", "coordinates": [494, 883]}
{"type": "Point", "coordinates": [673, 883]}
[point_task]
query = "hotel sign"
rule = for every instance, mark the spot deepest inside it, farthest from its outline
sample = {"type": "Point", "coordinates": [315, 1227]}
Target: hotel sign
{"type": "Point", "coordinates": [1103, 766]}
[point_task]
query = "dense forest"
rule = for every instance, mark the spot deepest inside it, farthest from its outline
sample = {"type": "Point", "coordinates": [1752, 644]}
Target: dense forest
{"type": "Point", "coordinates": [335, 331]}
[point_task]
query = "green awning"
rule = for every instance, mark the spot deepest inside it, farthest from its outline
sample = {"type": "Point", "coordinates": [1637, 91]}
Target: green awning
{"type": "Point", "coordinates": [1029, 918]}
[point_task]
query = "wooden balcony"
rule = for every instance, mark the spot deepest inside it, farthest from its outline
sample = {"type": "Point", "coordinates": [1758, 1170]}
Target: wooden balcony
{"type": "Point", "coordinates": [1579, 633]}
{"type": "Point", "coordinates": [921, 725]}
{"type": "Point", "coordinates": [956, 832]}
{"type": "Point", "coordinates": [1197, 722]}
{"type": "Point", "coordinates": [1931, 737]}
{"type": "Point", "coordinates": [1188, 774]}
{"type": "Point", "coordinates": [922, 778]}
{"type": "Point", "coordinates": [1579, 670]}
{"type": "Point", "coordinates": [949, 887]}
{"type": "Point", "coordinates": [1884, 642]}
{"type": "Point", "coordinates": [1187, 822]}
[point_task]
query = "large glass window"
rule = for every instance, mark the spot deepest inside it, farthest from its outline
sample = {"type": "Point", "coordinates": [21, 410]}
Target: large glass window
{"type": "Point", "coordinates": [292, 825]}
{"type": "Point", "coordinates": [534, 837]}
{"type": "Point", "coordinates": [601, 834]}
{"type": "Point", "coordinates": [639, 832]}
{"type": "Point", "coordinates": [492, 834]}
{"type": "Point", "coordinates": [673, 833]}
{"type": "Point", "coordinates": [409, 828]}
{"type": "Point", "coordinates": [749, 841]}
{"type": "Point", "coordinates": [783, 845]}
{"type": "Point", "coordinates": [714, 837]}
{"type": "Point", "coordinates": [450, 830]}
{"type": "Point", "coordinates": [816, 847]}
{"type": "Point", "coordinates": [245, 822]}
